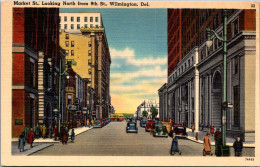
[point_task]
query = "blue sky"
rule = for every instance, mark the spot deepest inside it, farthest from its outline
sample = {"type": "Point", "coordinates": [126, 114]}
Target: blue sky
{"type": "Point", "coordinates": [137, 40]}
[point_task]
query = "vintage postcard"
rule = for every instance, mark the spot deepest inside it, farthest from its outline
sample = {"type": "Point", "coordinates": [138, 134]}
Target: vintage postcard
{"type": "Point", "coordinates": [129, 83]}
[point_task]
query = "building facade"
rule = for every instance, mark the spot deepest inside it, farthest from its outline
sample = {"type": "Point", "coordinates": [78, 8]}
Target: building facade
{"type": "Point", "coordinates": [195, 85]}
{"type": "Point", "coordinates": [72, 22]}
{"type": "Point", "coordinates": [36, 57]}
{"type": "Point", "coordinates": [146, 106]}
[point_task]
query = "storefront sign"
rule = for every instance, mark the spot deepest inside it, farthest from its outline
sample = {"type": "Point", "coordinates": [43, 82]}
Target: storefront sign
{"type": "Point", "coordinates": [18, 121]}
{"type": "Point", "coordinates": [72, 107]}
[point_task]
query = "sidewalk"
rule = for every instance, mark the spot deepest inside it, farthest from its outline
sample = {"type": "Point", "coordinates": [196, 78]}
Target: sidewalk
{"type": "Point", "coordinates": [41, 143]}
{"type": "Point", "coordinates": [201, 134]}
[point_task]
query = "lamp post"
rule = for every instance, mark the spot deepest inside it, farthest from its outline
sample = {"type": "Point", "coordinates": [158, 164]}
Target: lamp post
{"type": "Point", "coordinates": [56, 114]}
{"type": "Point", "coordinates": [224, 71]}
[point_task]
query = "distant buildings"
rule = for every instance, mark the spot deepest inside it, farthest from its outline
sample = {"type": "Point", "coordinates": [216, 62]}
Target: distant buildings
{"type": "Point", "coordinates": [193, 91]}
{"type": "Point", "coordinates": [146, 106]}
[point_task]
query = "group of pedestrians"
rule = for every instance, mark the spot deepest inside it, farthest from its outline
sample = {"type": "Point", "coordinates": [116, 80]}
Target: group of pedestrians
{"type": "Point", "coordinates": [22, 140]}
{"type": "Point", "coordinates": [237, 145]}
{"type": "Point", "coordinates": [40, 132]}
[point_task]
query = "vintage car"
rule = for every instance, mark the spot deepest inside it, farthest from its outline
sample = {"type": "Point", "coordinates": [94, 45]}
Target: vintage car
{"type": "Point", "coordinates": [179, 130]}
{"type": "Point", "coordinates": [131, 127]}
{"type": "Point", "coordinates": [104, 122]}
{"type": "Point", "coordinates": [160, 130]}
{"type": "Point", "coordinates": [150, 124]}
{"type": "Point", "coordinates": [143, 122]}
{"type": "Point", "coordinates": [98, 124]}
{"type": "Point", "coordinates": [168, 126]}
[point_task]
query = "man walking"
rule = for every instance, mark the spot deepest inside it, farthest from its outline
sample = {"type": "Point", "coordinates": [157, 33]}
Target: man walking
{"type": "Point", "coordinates": [207, 145]}
{"type": "Point", "coordinates": [238, 146]}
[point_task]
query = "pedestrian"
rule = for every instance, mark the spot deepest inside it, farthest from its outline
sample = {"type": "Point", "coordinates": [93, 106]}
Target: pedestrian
{"type": "Point", "coordinates": [21, 143]}
{"type": "Point", "coordinates": [207, 145]}
{"type": "Point", "coordinates": [37, 131]}
{"type": "Point", "coordinates": [61, 134]}
{"type": "Point", "coordinates": [26, 131]}
{"type": "Point", "coordinates": [212, 130]}
{"type": "Point", "coordinates": [174, 147]}
{"type": "Point", "coordinates": [65, 136]}
{"type": "Point", "coordinates": [50, 132]}
{"type": "Point", "coordinates": [72, 137]}
{"type": "Point", "coordinates": [55, 131]}
{"type": "Point", "coordinates": [43, 131]}
{"type": "Point", "coordinates": [30, 138]}
{"type": "Point", "coordinates": [218, 142]}
{"type": "Point", "coordinates": [192, 127]}
{"type": "Point", "coordinates": [238, 147]}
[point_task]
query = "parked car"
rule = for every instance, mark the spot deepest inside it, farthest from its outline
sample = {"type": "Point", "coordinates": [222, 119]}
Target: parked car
{"type": "Point", "coordinates": [131, 127]}
{"type": "Point", "coordinates": [160, 130]}
{"type": "Point", "coordinates": [168, 126]}
{"type": "Point", "coordinates": [143, 122]}
{"type": "Point", "coordinates": [109, 120]}
{"type": "Point", "coordinates": [104, 122]}
{"type": "Point", "coordinates": [150, 124]}
{"type": "Point", "coordinates": [179, 130]}
{"type": "Point", "coordinates": [98, 124]}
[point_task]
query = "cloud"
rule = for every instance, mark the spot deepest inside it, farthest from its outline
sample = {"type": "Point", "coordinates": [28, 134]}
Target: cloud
{"type": "Point", "coordinates": [131, 83]}
{"type": "Point", "coordinates": [129, 56]}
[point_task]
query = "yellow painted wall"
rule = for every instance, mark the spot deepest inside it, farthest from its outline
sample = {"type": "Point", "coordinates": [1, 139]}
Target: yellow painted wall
{"type": "Point", "coordinates": [81, 52]}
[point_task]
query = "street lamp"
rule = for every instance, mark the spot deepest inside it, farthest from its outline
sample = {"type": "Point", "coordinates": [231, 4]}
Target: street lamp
{"type": "Point", "coordinates": [224, 78]}
{"type": "Point", "coordinates": [55, 113]}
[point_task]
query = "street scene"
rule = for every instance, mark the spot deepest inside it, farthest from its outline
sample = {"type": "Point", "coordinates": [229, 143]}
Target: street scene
{"type": "Point", "coordinates": [176, 86]}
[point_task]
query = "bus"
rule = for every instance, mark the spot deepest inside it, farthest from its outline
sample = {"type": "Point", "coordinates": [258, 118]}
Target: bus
{"type": "Point", "coordinates": [113, 117]}
{"type": "Point", "coordinates": [120, 117]}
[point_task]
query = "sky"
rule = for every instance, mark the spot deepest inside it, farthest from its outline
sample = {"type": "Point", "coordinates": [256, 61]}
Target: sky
{"type": "Point", "coordinates": [137, 40]}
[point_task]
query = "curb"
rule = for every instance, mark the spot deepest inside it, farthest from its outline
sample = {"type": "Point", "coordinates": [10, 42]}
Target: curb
{"type": "Point", "coordinates": [228, 144]}
{"type": "Point", "coordinates": [39, 149]}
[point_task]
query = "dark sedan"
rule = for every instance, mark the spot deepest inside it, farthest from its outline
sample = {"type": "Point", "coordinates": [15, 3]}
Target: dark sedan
{"type": "Point", "coordinates": [179, 130]}
{"type": "Point", "coordinates": [131, 127]}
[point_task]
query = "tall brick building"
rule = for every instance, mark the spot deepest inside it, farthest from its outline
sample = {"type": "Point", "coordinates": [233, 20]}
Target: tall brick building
{"type": "Point", "coordinates": [36, 57]}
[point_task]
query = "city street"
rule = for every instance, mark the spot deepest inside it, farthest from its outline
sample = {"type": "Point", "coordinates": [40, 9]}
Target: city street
{"type": "Point", "coordinates": [113, 140]}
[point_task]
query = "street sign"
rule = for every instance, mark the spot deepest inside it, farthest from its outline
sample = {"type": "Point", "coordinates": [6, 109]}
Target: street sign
{"type": "Point", "coordinates": [72, 107]}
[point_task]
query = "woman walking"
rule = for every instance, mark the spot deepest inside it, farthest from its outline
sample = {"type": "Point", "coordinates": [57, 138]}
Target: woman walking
{"type": "Point", "coordinates": [30, 137]}
{"type": "Point", "coordinates": [21, 143]}
{"type": "Point", "coordinates": [174, 147]}
{"type": "Point", "coordinates": [207, 145]}
{"type": "Point", "coordinates": [72, 137]}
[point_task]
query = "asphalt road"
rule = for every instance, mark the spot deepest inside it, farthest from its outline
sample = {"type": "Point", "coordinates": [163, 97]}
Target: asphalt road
{"type": "Point", "coordinates": [112, 140]}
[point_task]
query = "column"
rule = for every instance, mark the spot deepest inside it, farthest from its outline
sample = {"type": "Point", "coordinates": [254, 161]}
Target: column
{"type": "Point", "coordinates": [196, 99]}
{"type": "Point", "coordinates": [210, 100]}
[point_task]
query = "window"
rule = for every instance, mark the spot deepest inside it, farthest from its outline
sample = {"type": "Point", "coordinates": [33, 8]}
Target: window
{"type": "Point", "coordinates": [78, 26]}
{"type": "Point", "coordinates": [67, 52]}
{"type": "Point", "coordinates": [32, 75]}
{"type": "Point", "coordinates": [236, 107]}
{"type": "Point", "coordinates": [235, 28]}
{"type": "Point", "coordinates": [67, 36]}
{"type": "Point", "coordinates": [69, 99]}
{"type": "Point", "coordinates": [72, 52]}
{"type": "Point", "coordinates": [91, 25]}
{"type": "Point", "coordinates": [65, 18]}
{"type": "Point", "coordinates": [89, 45]}
{"type": "Point", "coordinates": [96, 19]}
{"type": "Point", "coordinates": [65, 26]}
{"type": "Point", "coordinates": [72, 19]}
{"type": "Point", "coordinates": [85, 19]}
{"type": "Point", "coordinates": [96, 26]}
{"type": "Point", "coordinates": [219, 41]}
{"type": "Point", "coordinates": [89, 71]}
{"type": "Point", "coordinates": [67, 43]}
{"type": "Point", "coordinates": [89, 61]}
{"type": "Point", "coordinates": [72, 26]}
{"type": "Point", "coordinates": [85, 26]}
{"type": "Point", "coordinates": [78, 19]}
{"type": "Point", "coordinates": [89, 53]}
{"type": "Point", "coordinates": [72, 43]}
{"type": "Point", "coordinates": [91, 19]}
